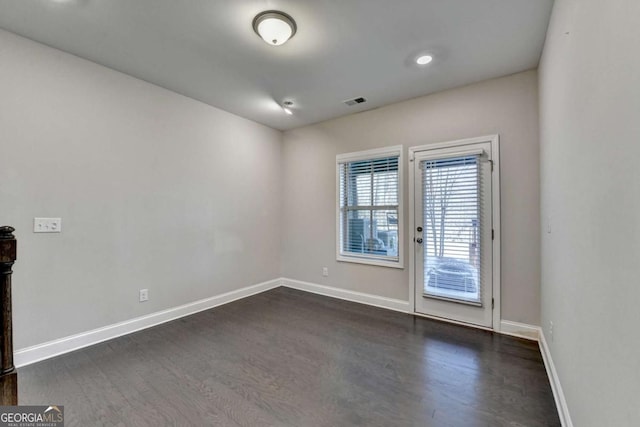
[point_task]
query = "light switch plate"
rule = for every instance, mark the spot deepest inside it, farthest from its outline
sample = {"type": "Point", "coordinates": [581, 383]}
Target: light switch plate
{"type": "Point", "coordinates": [47, 225]}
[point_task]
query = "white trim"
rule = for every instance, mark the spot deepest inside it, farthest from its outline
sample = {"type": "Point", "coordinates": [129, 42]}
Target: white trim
{"type": "Point", "coordinates": [39, 352]}
{"type": "Point", "coordinates": [343, 294]}
{"type": "Point", "coordinates": [495, 192]}
{"type": "Point", "coordinates": [375, 153]}
{"type": "Point", "coordinates": [412, 227]}
{"type": "Point", "coordinates": [36, 353]}
{"type": "Point", "coordinates": [396, 150]}
{"type": "Point", "coordinates": [495, 183]}
{"type": "Point", "coordinates": [520, 330]}
{"type": "Point", "coordinates": [449, 144]}
{"type": "Point", "coordinates": [371, 260]}
{"type": "Point", "coordinates": [554, 380]}
{"type": "Point", "coordinates": [507, 327]}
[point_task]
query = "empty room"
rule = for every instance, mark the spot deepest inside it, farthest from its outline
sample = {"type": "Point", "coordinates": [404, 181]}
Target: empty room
{"type": "Point", "coordinates": [319, 213]}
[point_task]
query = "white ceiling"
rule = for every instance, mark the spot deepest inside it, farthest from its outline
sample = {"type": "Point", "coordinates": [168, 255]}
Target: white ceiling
{"type": "Point", "coordinates": [207, 50]}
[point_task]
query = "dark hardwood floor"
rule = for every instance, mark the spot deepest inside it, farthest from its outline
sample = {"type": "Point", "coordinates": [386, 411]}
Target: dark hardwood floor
{"type": "Point", "coordinates": [290, 358]}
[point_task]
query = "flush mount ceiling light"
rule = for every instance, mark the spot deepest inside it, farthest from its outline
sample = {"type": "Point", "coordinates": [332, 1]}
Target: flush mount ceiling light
{"type": "Point", "coordinates": [274, 27]}
{"type": "Point", "coordinates": [424, 59]}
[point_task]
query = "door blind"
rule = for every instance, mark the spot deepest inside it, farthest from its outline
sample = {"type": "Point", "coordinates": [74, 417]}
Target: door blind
{"type": "Point", "coordinates": [452, 191]}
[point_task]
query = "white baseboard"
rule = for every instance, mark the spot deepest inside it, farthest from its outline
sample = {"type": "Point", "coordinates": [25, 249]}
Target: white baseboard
{"type": "Point", "coordinates": [520, 330]}
{"type": "Point", "coordinates": [36, 353]}
{"type": "Point", "coordinates": [558, 394]}
{"type": "Point", "coordinates": [507, 327]}
{"type": "Point", "coordinates": [369, 299]}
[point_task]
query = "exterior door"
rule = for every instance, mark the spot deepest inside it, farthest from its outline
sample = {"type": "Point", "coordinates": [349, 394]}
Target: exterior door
{"type": "Point", "coordinates": [453, 232]}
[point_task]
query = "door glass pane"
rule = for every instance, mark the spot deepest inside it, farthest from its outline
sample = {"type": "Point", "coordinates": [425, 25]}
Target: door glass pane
{"type": "Point", "coordinates": [451, 206]}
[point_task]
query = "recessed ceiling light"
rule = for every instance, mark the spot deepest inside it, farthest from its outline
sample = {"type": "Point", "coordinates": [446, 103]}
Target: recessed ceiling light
{"type": "Point", "coordinates": [424, 59]}
{"type": "Point", "coordinates": [274, 27]}
{"type": "Point", "coordinates": [286, 106]}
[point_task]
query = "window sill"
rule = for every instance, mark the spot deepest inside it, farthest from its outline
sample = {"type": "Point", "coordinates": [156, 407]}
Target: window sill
{"type": "Point", "coordinates": [371, 261]}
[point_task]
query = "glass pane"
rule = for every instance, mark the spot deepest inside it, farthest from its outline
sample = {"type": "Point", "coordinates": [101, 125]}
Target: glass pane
{"type": "Point", "coordinates": [451, 228]}
{"type": "Point", "coordinates": [385, 188]}
{"type": "Point", "coordinates": [362, 190]}
{"type": "Point", "coordinates": [385, 233]}
{"type": "Point", "coordinates": [370, 182]}
{"type": "Point", "coordinates": [371, 232]}
{"type": "Point", "coordinates": [358, 228]}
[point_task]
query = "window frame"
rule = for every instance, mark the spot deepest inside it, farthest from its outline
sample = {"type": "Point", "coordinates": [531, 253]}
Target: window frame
{"type": "Point", "coordinates": [366, 155]}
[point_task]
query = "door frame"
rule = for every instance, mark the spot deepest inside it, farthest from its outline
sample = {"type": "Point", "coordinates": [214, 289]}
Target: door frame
{"type": "Point", "coordinates": [495, 208]}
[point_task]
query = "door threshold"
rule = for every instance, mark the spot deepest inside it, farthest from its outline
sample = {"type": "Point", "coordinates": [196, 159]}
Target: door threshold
{"type": "Point", "coordinates": [454, 322]}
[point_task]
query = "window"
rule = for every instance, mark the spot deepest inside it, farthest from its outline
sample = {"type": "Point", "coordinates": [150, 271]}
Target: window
{"type": "Point", "coordinates": [369, 220]}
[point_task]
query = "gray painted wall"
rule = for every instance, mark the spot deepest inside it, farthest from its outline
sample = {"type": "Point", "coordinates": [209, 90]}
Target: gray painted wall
{"type": "Point", "coordinates": [155, 191]}
{"type": "Point", "coordinates": [590, 195]}
{"type": "Point", "coordinates": [508, 106]}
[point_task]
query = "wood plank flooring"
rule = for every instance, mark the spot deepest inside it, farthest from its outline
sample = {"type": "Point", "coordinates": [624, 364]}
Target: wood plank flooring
{"type": "Point", "coordinates": [290, 358]}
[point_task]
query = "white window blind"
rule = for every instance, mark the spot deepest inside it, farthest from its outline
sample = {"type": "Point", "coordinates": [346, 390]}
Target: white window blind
{"type": "Point", "coordinates": [369, 208]}
{"type": "Point", "coordinates": [452, 192]}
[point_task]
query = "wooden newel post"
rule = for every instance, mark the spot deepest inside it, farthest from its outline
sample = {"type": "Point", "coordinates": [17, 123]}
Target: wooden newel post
{"type": "Point", "coordinates": [8, 374]}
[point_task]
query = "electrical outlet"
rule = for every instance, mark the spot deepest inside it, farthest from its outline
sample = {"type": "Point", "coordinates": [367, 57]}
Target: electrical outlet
{"type": "Point", "coordinates": [325, 271]}
{"type": "Point", "coordinates": [47, 225]}
{"type": "Point", "coordinates": [551, 330]}
{"type": "Point", "coordinates": [144, 295]}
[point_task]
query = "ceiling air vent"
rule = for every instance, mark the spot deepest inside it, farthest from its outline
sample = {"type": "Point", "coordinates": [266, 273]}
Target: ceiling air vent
{"type": "Point", "coordinates": [355, 101]}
